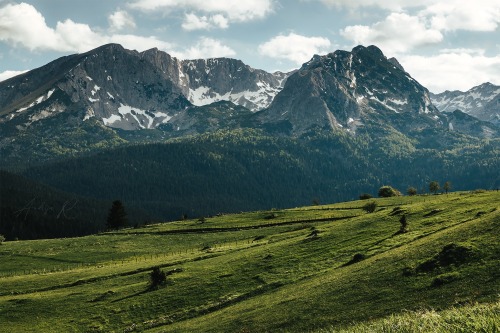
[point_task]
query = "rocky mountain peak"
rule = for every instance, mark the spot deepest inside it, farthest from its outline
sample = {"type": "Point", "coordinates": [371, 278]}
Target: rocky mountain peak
{"type": "Point", "coordinates": [344, 90]}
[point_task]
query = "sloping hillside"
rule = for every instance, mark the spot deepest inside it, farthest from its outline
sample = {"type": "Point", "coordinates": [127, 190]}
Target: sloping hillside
{"type": "Point", "coordinates": [301, 269]}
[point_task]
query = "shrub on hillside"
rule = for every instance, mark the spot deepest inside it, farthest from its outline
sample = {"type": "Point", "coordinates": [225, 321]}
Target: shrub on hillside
{"type": "Point", "coordinates": [388, 191]}
{"type": "Point", "coordinates": [370, 207]}
{"type": "Point", "coordinates": [403, 228]}
{"type": "Point", "coordinates": [157, 278]}
{"type": "Point", "coordinates": [365, 196]}
{"type": "Point", "coordinates": [451, 254]}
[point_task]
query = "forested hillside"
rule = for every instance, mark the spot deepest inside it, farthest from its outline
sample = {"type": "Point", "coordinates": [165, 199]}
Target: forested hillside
{"type": "Point", "coordinates": [30, 210]}
{"type": "Point", "coordinates": [242, 170]}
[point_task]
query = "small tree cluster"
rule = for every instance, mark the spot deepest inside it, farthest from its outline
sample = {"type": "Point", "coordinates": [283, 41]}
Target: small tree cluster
{"type": "Point", "coordinates": [388, 191]}
{"type": "Point", "coordinates": [434, 187]}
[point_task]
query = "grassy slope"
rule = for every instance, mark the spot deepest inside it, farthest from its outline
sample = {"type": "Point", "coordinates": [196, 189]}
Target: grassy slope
{"type": "Point", "coordinates": [248, 272]}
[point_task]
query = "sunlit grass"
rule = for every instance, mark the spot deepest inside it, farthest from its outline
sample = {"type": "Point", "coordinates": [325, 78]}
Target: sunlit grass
{"type": "Point", "coordinates": [279, 270]}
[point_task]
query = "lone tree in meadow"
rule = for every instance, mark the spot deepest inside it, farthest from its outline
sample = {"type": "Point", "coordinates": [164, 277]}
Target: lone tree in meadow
{"type": "Point", "coordinates": [388, 191]}
{"type": "Point", "coordinates": [117, 218]}
{"type": "Point", "coordinates": [157, 278]}
{"type": "Point", "coordinates": [447, 187]}
{"type": "Point", "coordinates": [2, 239]}
{"type": "Point", "coordinates": [411, 191]}
{"type": "Point", "coordinates": [434, 187]}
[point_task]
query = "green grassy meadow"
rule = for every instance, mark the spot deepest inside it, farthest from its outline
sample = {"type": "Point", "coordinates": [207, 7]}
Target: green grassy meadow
{"type": "Point", "coordinates": [271, 271]}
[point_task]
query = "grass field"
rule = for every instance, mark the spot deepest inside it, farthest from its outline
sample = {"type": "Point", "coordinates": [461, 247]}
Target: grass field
{"type": "Point", "coordinates": [275, 271]}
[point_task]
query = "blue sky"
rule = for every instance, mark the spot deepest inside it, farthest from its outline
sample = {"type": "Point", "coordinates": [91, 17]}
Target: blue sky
{"type": "Point", "coordinates": [444, 44]}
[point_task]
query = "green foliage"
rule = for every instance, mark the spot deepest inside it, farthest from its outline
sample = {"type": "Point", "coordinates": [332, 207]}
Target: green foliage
{"type": "Point", "coordinates": [403, 228]}
{"type": "Point", "coordinates": [434, 187]}
{"type": "Point", "coordinates": [388, 191]}
{"type": "Point", "coordinates": [370, 207]}
{"type": "Point", "coordinates": [249, 169]}
{"type": "Point", "coordinates": [447, 187]}
{"type": "Point", "coordinates": [2, 239]}
{"type": "Point", "coordinates": [451, 254]}
{"type": "Point", "coordinates": [117, 217]}
{"type": "Point", "coordinates": [157, 278]}
{"type": "Point", "coordinates": [365, 196]}
{"type": "Point", "coordinates": [411, 191]}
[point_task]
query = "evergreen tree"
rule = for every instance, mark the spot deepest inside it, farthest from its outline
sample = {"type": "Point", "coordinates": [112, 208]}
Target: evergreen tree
{"type": "Point", "coordinates": [117, 218]}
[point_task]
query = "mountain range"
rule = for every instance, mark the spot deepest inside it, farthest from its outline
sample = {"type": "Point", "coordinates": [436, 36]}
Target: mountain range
{"type": "Point", "coordinates": [128, 90]}
{"type": "Point", "coordinates": [482, 102]}
{"type": "Point", "coordinates": [204, 136]}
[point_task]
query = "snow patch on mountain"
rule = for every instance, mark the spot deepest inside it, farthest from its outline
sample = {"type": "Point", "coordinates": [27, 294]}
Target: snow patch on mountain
{"type": "Point", "coordinates": [109, 121]}
{"type": "Point", "coordinates": [254, 100]}
{"type": "Point", "coordinates": [482, 102]}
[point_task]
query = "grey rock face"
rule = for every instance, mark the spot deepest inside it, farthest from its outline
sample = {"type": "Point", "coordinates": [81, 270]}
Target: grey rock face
{"type": "Point", "coordinates": [130, 90]}
{"type": "Point", "coordinates": [346, 90]}
{"type": "Point", "coordinates": [112, 84]}
{"type": "Point", "coordinates": [213, 80]}
{"type": "Point", "coordinates": [462, 122]}
{"type": "Point", "coordinates": [482, 102]}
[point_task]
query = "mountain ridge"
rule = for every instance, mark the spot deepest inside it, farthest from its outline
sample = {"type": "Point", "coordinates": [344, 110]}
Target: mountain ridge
{"type": "Point", "coordinates": [482, 102]}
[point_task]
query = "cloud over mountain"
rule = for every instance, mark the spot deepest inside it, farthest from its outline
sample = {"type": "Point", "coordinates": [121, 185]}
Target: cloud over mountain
{"type": "Point", "coordinates": [294, 47]}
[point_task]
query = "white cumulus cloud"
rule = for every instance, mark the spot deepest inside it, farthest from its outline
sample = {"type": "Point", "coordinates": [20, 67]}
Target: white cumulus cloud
{"type": "Point", "coordinates": [385, 4]}
{"type": "Point", "coordinates": [194, 22]}
{"type": "Point", "coordinates": [449, 15]}
{"type": "Point", "coordinates": [399, 32]}
{"type": "Point", "coordinates": [294, 47]}
{"type": "Point", "coordinates": [459, 69]}
{"type": "Point", "coordinates": [22, 25]}
{"type": "Point", "coordinates": [478, 15]}
{"type": "Point", "coordinates": [121, 20]}
{"type": "Point", "coordinates": [206, 48]}
{"type": "Point", "coordinates": [209, 13]}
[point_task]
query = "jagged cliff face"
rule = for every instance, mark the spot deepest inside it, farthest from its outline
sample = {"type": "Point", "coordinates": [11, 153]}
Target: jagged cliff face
{"type": "Point", "coordinates": [345, 90]}
{"type": "Point", "coordinates": [214, 80]}
{"type": "Point", "coordinates": [129, 90]}
{"type": "Point", "coordinates": [482, 102]}
{"type": "Point", "coordinates": [205, 81]}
